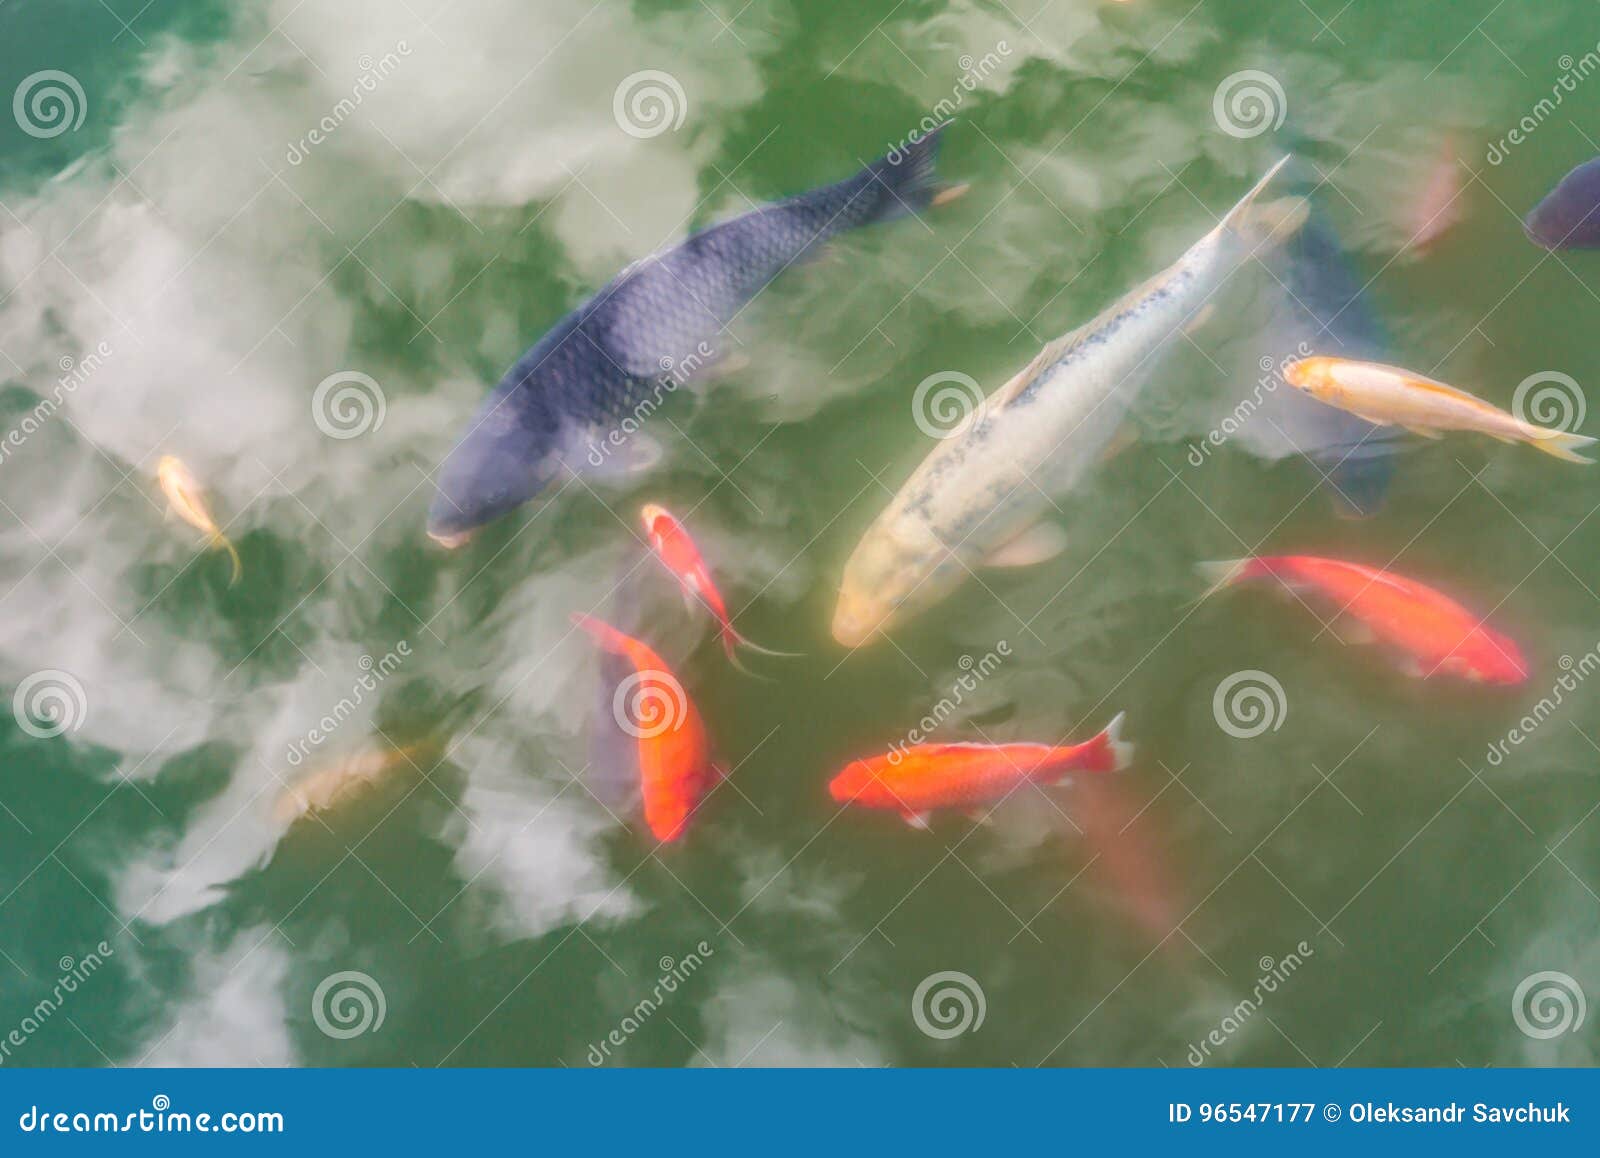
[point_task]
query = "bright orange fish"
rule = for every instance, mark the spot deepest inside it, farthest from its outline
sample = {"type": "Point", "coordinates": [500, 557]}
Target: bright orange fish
{"type": "Point", "coordinates": [675, 767]}
{"type": "Point", "coordinates": [1433, 632]}
{"type": "Point", "coordinates": [915, 781]}
{"type": "Point", "coordinates": [677, 551]}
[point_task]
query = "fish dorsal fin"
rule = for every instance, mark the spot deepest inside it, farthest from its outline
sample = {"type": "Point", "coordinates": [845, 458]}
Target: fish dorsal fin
{"type": "Point", "coordinates": [1053, 352]}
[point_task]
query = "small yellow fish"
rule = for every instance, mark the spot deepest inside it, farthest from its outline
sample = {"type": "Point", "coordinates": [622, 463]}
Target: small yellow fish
{"type": "Point", "coordinates": [1389, 395]}
{"type": "Point", "coordinates": [188, 500]}
{"type": "Point", "coordinates": [340, 782]}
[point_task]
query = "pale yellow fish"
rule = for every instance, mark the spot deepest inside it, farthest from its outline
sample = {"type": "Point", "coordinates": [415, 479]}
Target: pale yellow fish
{"type": "Point", "coordinates": [1388, 395]}
{"type": "Point", "coordinates": [186, 498]}
{"type": "Point", "coordinates": [340, 782]}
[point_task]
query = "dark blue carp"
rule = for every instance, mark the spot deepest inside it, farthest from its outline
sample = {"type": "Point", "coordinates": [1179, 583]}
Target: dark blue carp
{"type": "Point", "coordinates": [1569, 215]}
{"type": "Point", "coordinates": [573, 401]}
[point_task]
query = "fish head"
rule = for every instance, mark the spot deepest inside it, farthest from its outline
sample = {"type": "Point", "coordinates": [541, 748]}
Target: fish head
{"type": "Point", "coordinates": [500, 463]}
{"type": "Point", "coordinates": [855, 780]}
{"type": "Point", "coordinates": [1569, 216]}
{"type": "Point", "coordinates": [1314, 375]}
{"type": "Point", "coordinates": [1496, 659]}
{"type": "Point", "coordinates": [887, 577]}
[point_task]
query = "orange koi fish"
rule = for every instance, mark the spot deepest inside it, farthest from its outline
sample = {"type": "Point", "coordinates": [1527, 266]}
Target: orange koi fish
{"type": "Point", "coordinates": [1433, 633]}
{"type": "Point", "coordinates": [670, 540]}
{"type": "Point", "coordinates": [675, 767]}
{"type": "Point", "coordinates": [187, 500]}
{"type": "Point", "coordinates": [917, 780]}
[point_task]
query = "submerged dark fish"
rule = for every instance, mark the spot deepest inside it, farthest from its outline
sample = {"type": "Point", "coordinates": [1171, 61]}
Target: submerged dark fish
{"type": "Point", "coordinates": [1327, 312]}
{"type": "Point", "coordinates": [1569, 216]}
{"type": "Point", "coordinates": [572, 400]}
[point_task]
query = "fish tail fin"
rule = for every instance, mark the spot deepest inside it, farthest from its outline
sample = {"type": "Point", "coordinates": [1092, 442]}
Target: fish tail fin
{"type": "Point", "coordinates": [1270, 223]}
{"type": "Point", "coordinates": [603, 633]}
{"type": "Point", "coordinates": [1106, 752]}
{"type": "Point", "coordinates": [732, 641]}
{"type": "Point", "coordinates": [1563, 445]}
{"type": "Point", "coordinates": [222, 543]}
{"type": "Point", "coordinates": [1220, 574]}
{"type": "Point", "coordinates": [906, 178]}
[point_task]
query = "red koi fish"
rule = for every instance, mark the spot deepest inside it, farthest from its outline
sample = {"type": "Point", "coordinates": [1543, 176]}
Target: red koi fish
{"type": "Point", "coordinates": [670, 540]}
{"type": "Point", "coordinates": [675, 766]}
{"type": "Point", "coordinates": [918, 780]}
{"type": "Point", "coordinates": [1432, 632]}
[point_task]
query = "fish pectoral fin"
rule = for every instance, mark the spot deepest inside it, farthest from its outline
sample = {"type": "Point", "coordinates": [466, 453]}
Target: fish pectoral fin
{"type": "Point", "coordinates": [727, 365]}
{"type": "Point", "coordinates": [1127, 435]}
{"type": "Point", "coordinates": [1201, 316]}
{"type": "Point", "coordinates": [916, 820]}
{"type": "Point", "coordinates": [980, 815]}
{"type": "Point", "coordinates": [636, 455]}
{"type": "Point", "coordinates": [1037, 544]}
{"type": "Point", "coordinates": [1430, 432]}
{"type": "Point", "coordinates": [1372, 418]}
